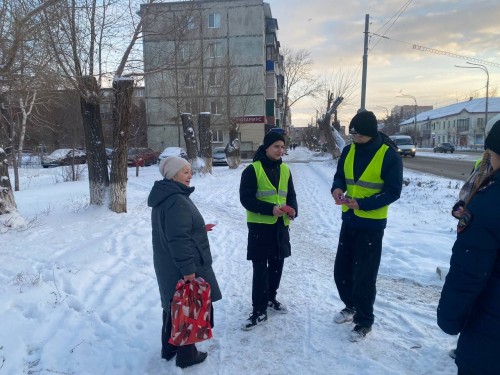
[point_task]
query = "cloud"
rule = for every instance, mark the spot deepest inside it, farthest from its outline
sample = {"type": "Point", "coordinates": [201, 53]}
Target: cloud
{"type": "Point", "coordinates": [335, 35]}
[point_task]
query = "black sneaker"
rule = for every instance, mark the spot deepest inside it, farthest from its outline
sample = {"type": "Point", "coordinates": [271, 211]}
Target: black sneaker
{"type": "Point", "coordinates": [359, 333]}
{"type": "Point", "coordinates": [255, 319]}
{"type": "Point", "coordinates": [277, 306]}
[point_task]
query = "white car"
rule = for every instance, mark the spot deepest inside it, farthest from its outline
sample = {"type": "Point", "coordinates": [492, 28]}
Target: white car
{"type": "Point", "coordinates": [219, 156]}
{"type": "Point", "coordinates": [173, 151]}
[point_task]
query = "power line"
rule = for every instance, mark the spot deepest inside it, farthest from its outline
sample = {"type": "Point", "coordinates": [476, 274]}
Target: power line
{"type": "Point", "coordinates": [439, 52]}
{"type": "Point", "coordinates": [394, 19]}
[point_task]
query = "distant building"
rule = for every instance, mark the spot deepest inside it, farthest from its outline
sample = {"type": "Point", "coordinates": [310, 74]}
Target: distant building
{"type": "Point", "coordinates": [406, 112]}
{"type": "Point", "coordinates": [216, 56]}
{"type": "Point", "coordinates": [462, 124]}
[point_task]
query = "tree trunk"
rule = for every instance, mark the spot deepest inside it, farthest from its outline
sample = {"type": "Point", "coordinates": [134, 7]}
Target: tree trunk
{"type": "Point", "coordinates": [189, 137]}
{"type": "Point", "coordinates": [205, 141]}
{"type": "Point", "coordinates": [326, 128]}
{"type": "Point", "coordinates": [7, 201]}
{"type": "Point", "coordinates": [94, 140]}
{"type": "Point", "coordinates": [122, 109]}
{"type": "Point", "coordinates": [233, 154]}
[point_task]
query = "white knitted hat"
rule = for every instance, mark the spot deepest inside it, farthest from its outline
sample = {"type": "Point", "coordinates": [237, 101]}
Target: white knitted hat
{"type": "Point", "coordinates": [170, 166]}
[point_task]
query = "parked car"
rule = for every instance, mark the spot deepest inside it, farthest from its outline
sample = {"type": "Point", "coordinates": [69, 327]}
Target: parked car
{"type": "Point", "coordinates": [109, 153]}
{"type": "Point", "coordinates": [142, 157]}
{"type": "Point", "coordinates": [219, 156]}
{"type": "Point", "coordinates": [173, 151]}
{"type": "Point", "coordinates": [64, 156]}
{"type": "Point", "coordinates": [444, 147]}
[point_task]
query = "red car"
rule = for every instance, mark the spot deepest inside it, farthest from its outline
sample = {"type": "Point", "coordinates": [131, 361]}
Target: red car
{"type": "Point", "coordinates": [141, 157]}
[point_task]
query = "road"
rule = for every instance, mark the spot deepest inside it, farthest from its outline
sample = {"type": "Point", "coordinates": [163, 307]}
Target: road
{"type": "Point", "coordinates": [457, 166]}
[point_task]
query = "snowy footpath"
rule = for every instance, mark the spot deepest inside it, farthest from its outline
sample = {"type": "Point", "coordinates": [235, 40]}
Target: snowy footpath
{"type": "Point", "coordinates": [78, 293]}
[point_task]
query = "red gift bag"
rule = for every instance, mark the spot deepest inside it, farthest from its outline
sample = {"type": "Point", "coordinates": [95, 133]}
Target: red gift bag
{"type": "Point", "coordinates": [190, 312]}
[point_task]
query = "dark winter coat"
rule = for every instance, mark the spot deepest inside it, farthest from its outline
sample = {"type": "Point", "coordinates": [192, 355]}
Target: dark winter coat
{"type": "Point", "coordinates": [180, 242]}
{"type": "Point", "coordinates": [264, 240]}
{"type": "Point", "coordinates": [392, 174]}
{"type": "Point", "coordinates": [470, 299]}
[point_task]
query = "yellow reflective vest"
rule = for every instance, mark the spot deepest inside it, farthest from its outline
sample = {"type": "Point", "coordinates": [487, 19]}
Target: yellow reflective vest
{"type": "Point", "coordinates": [368, 184]}
{"type": "Point", "coordinates": [266, 192]}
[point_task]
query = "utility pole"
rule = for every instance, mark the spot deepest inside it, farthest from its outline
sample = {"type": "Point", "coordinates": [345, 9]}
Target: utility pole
{"type": "Point", "coordinates": [365, 65]}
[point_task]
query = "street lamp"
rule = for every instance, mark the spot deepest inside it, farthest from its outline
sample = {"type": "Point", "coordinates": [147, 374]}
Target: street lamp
{"type": "Point", "coordinates": [415, 100]}
{"type": "Point", "coordinates": [386, 110]}
{"type": "Point", "coordinates": [484, 69]}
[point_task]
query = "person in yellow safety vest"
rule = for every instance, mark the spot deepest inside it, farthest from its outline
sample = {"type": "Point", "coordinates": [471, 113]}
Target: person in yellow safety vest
{"type": "Point", "coordinates": [368, 179]}
{"type": "Point", "coordinates": [268, 195]}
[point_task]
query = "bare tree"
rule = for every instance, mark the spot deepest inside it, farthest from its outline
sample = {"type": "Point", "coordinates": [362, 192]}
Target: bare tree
{"type": "Point", "coordinates": [340, 85]}
{"type": "Point", "coordinates": [16, 21]}
{"type": "Point", "coordinates": [327, 129]}
{"type": "Point", "coordinates": [123, 88]}
{"type": "Point", "coordinates": [72, 32]}
{"type": "Point", "coordinates": [299, 81]}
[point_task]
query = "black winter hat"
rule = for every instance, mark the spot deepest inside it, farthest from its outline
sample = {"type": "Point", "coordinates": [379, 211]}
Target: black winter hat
{"type": "Point", "coordinates": [492, 141]}
{"type": "Point", "coordinates": [272, 137]}
{"type": "Point", "coordinates": [364, 123]}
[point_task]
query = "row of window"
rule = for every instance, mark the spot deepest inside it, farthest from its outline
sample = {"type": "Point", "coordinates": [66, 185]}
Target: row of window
{"type": "Point", "coordinates": [215, 50]}
{"type": "Point", "coordinates": [213, 21]}
{"type": "Point", "coordinates": [189, 80]}
{"type": "Point", "coordinates": [215, 107]}
{"type": "Point", "coordinates": [459, 123]}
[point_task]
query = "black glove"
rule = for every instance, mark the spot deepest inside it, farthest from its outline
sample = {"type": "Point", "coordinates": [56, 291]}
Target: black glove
{"type": "Point", "coordinates": [456, 206]}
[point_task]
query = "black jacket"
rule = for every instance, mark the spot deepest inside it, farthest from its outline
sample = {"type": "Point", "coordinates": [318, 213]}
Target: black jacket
{"type": "Point", "coordinates": [392, 174]}
{"type": "Point", "coordinates": [180, 242]}
{"type": "Point", "coordinates": [470, 299]}
{"type": "Point", "coordinates": [265, 241]}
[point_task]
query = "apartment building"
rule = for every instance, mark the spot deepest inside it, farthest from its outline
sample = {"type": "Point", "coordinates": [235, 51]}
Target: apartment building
{"type": "Point", "coordinates": [216, 56]}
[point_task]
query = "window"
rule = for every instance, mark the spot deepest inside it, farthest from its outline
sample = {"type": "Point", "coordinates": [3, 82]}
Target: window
{"type": "Point", "coordinates": [190, 23]}
{"type": "Point", "coordinates": [185, 52]}
{"type": "Point", "coordinates": [212, 80]}
{"type": "Point", "coordinates": [214, 21]}
{"type": "Point", "coordinates": [215, 50]}
{"type": "Point", "coordinates": [191, 107]}
{"type": "Point", "coordinates": [463, 125]}
{"type": "Point", "coordinates": [217, 136]}
{"type": "Point", "coordinates": [188, 80]}
{"type": "Point", "coordinates": [215, 107]}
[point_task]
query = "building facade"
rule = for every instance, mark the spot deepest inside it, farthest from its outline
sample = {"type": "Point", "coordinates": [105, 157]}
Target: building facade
{"type": "Point", "coordinates": [462, 124]}
{"type": "Point", "coordinates": [216, 56]}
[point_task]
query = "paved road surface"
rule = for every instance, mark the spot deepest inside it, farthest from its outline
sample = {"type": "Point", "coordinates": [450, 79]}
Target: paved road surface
{"type": "Point", "coordinates": [457, 166]}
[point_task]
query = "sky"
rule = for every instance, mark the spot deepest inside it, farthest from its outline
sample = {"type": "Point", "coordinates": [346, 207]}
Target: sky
{"type": "Point", "coordinates": [78, 293]}
{"type": "Point", "coordinates": [333, 32]}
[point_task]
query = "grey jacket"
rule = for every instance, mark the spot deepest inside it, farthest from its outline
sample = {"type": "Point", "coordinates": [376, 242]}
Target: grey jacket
{"type": "Point", "coordinates": [180, 242]}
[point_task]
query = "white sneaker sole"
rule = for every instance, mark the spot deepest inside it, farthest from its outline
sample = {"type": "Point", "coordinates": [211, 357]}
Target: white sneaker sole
{"type": "Point", "coordinates": [342, 320]}
{"type": "Point", "coordinates": [245, 328]}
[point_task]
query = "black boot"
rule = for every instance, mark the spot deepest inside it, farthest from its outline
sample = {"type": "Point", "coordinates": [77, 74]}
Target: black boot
{"type": "Point", "coordinates": [188, 355]}
{"type": "Point", "coordinates": [169, 351]}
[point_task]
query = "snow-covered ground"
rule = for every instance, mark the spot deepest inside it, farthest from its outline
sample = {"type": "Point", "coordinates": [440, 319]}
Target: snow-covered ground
{"type": "Point", "coordinates": [78, 293]}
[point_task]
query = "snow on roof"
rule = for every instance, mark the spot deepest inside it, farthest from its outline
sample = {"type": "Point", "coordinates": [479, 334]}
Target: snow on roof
{"type": "Point", "coordinates": [470, 106]}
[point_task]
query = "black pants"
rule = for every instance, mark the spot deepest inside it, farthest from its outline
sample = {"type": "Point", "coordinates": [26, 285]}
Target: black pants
{"type": "Point", "coordinates": [356, 268]}
{"type": "Point", "coordinates": [266, 281]}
